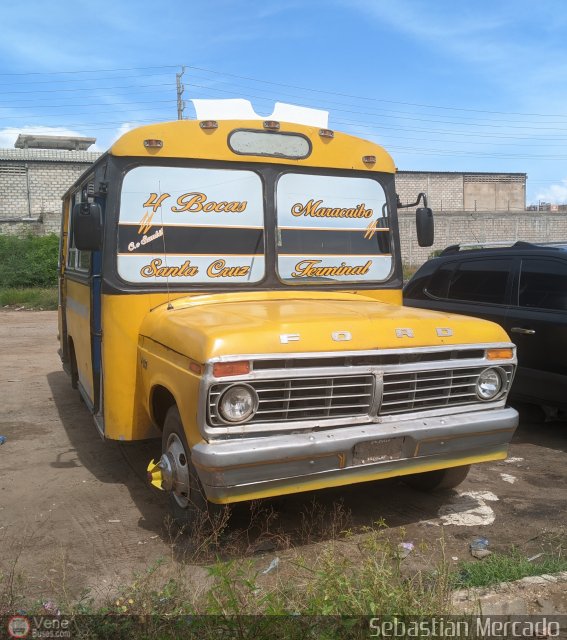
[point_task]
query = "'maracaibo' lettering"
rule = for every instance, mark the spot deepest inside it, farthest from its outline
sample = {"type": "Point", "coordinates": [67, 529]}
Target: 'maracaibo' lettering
{"type": "Point", "coordinates": [315, 210]}
{"type": "Point", "coordinates": [195, 201]}
{"type": "Point", "coordinates": [307, 268]}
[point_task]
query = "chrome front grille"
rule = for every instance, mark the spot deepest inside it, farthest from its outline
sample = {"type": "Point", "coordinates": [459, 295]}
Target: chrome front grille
{"type": "Point", "coordinates": [424, 390]}
{"type": "Point", "coordinates": [306, 398]}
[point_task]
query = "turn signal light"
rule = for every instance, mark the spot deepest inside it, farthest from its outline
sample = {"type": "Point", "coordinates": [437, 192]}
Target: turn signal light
{"type": "Point", "coordinates": [499, 354]}
{"type": "Point", "coordinates": [225, 369]}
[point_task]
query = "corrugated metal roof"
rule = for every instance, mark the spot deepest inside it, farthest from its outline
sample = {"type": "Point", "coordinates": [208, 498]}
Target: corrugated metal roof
{"type": "Point", "coordinates": [49, 155]}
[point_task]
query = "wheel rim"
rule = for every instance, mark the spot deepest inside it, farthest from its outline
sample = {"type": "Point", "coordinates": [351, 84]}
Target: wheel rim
{"type": "Point", "coordinates": [180, 470]}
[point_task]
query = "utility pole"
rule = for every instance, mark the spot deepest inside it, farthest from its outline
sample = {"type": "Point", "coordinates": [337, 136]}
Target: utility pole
{"type": "Point", "coordinates": [180, 89]}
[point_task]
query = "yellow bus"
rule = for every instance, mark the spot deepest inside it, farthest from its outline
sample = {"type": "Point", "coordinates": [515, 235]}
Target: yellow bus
{"type": "Point", "coordinates": [234, 287]}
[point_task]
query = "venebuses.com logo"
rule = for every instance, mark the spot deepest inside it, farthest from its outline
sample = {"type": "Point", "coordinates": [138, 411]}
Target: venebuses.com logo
{"type": "Point", "coordinates": [18, 627]}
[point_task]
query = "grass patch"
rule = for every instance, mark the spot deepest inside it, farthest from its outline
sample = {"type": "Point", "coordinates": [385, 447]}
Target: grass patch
{"type": "Point", "coordinates": [37, 298]}
{"type": "Point", "coordinates": [353, 575]}
{"type": "Point", "coordinates": [506, 567]}
{"type": "Point", "coordinates": [28, 262]}
{"type": "Point", "coordinates": [328, 570]}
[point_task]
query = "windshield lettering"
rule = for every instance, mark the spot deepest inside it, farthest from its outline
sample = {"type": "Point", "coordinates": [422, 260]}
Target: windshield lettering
{"type": "Point", "coordinates": [309, 268]}
{"type": "Point", "coordinates": [315, 210]}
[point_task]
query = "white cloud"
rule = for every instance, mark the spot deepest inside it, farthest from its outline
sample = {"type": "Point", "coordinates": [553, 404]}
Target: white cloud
{"type": "Point", "coordinates": [555, 193]}
{"type": "Point", "coordinates": [122, 129]}
{"type": "Point", "coordinates": [9, 135]}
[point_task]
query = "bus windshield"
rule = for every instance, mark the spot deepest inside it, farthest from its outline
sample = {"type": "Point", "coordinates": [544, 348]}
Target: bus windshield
{"type": "Point", "coordinates": [204, 225]}
{"type": "Point", "coordinates": [331, 229]}
{"type": "Point", "coordinates": [191, 225]}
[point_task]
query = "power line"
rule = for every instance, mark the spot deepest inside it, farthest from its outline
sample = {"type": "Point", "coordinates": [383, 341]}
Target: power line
{"type": "Point", "coordinates": [347, 95]}
{"type": "Point", "coordinates": [356, 112]}
{"type": "Point", "coordinates": [27, 82]}
{"type": "Point", "coordinates": [130, 86]}
{"type": "Point", "coordinates": [374, 112]}
{"type": "Point", "coordinates": [48, 73]}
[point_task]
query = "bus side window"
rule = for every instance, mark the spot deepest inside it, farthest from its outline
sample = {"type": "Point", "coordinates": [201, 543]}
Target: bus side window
{"type": "Point", "coordinates": [79, 261]}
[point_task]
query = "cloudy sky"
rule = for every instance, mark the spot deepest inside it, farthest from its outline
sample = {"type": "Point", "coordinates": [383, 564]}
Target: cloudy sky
{"type": "Point", "coordinates": [443, 85]}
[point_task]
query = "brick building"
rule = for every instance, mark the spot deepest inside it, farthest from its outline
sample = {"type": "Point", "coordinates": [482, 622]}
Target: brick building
{"type": "Point", "coordinates": [457, 191]}
{"type": "Point", "coordinates": [34, 176]}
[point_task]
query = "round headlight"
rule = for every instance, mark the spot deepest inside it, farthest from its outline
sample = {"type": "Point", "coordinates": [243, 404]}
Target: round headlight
{"type": "Point", "coordinates": [238, 403]}
{"type": "Point", "coordinates": [489, 384]}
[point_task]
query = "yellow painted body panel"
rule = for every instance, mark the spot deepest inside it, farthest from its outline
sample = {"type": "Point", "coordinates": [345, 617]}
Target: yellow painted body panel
{"type": "Point", "coordinates": [204, 326]}
{"type": "Point", "coordinates": [186, 139]}
{"type": "Point", "coordinates": [390, 296]}
{"type": "Point", "coordinates": [251, 323]}
{"type": "Point", "coordinates": [125, 407]}
{"type": "Point", "coordinates": [126, 388]}
{"type": "Point", "coordinates": [78, 315]}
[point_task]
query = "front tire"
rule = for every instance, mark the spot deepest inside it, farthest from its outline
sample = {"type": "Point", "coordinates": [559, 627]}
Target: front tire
{"type": "Point", "coordinates": [439, 479]}
{"type": "Point", "coordinates": [187, 499]}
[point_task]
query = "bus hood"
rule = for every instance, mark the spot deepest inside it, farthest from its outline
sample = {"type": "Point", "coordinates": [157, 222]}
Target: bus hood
{"type": "Point", "coordinates": [202, 327]}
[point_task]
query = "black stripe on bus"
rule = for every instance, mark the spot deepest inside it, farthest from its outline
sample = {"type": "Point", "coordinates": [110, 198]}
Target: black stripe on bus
{"type": "Point", "coordinates": [191, 240]}
{"type": "Point", "coordinates": [332, 242]}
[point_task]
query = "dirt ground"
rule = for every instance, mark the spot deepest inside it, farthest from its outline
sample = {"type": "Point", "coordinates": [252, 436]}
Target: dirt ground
{"type": "Point", "coordinates": [76, 511]}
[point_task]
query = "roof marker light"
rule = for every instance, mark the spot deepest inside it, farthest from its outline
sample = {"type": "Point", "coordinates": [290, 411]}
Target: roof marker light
{"type": "Point", "coordinates": [209, 124]}
{"type": "Point", "coordinates": [272, 125]}
{"type": "Point", "coordinates": [153, 143]}
{"type": "Point", "coordinates": [369, 159]}
{"type": "Point", "coordinates": [326, 133]}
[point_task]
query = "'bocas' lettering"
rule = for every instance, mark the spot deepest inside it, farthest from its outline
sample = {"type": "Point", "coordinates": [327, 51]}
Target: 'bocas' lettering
{"type": "Point", "coordinates": [195, 201]}
{"type": "Point", "coordinates": [307, 268]}
{"type": "Point", "coordinates": [154, 269]}
{"type": "Point", "coordinates": [315, 210]}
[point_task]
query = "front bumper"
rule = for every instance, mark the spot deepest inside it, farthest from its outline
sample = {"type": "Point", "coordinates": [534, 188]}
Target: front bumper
{"type": "Point", "coordinates": [258, 467]}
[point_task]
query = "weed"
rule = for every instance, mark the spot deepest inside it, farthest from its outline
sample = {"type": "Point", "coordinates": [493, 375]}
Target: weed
{"type": "Point", "coordinates": [36, 298]}
{"type": "Point", "coordinates": [29, 261]}
{"type": "Point", "coordinates": [506, 567]}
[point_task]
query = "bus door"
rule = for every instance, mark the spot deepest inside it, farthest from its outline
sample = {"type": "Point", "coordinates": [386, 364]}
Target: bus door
{"type": "Point", "coordinates": [82, 299]}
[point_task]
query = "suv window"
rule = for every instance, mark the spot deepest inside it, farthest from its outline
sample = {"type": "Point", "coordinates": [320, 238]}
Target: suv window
{"type": "Point", "coordinates": [481, 281]}
{"type": "Point", "coordinates": [439, 283]}
{"type": "Point", "coordinates": [543, 284]}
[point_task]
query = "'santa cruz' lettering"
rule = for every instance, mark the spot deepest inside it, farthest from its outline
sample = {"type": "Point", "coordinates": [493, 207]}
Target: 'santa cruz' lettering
{"type": "Point", "coordinates": [194, 202]}
{"type": "Point", "coordinates": [314, 209]}
{"type": "Point", "coordinates": [217, 269]}
{"type": "Point", "coordinates": [307, 268]}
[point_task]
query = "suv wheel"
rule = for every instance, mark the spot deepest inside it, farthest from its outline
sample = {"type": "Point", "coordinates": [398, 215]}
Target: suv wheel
{"type": "Point", "coordinates": [439, 479]}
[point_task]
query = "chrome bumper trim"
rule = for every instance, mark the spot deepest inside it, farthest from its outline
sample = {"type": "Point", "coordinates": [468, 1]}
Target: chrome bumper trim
{"type": "Point", "coordinates": [248, 465]}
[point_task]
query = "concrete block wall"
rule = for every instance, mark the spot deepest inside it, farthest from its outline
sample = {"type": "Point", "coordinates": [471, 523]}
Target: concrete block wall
{"type": "Point", "coordinates": [470, 227]}
{"type": "Point", "coordinates": [444, 191]}
{"type": "Point", "coordinates": [448, 191]}
{"type": "Point", "coordinates": [32, 183]}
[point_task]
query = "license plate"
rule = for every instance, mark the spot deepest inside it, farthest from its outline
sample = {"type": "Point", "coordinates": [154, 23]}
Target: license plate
{"type": "Point", "coordinates": [378, 451]}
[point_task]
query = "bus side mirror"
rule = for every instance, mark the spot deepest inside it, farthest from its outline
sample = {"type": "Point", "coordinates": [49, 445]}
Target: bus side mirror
{"type": "Point", "coordinates": [87, 226]}
{"type": "Point", "coordinates": [425, 227]}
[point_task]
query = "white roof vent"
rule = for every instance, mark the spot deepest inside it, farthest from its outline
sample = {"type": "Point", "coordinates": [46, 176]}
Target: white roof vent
{"type": "Point", "coordinates": [239, 109]}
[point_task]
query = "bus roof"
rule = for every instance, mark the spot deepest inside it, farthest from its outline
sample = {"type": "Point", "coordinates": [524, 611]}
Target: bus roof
{"type": "Point", "coordinates": [188, 139]}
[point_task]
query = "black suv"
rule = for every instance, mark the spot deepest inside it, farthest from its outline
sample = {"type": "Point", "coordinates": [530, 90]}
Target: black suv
{"type": "Point", "coordinates": [523, 288]}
